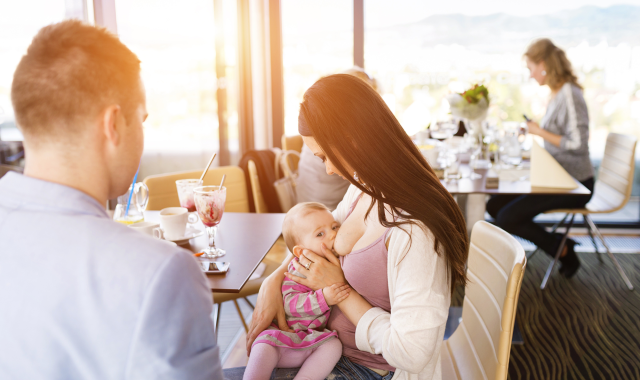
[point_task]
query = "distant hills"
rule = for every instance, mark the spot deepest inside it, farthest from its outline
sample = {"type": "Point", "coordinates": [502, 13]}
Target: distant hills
{"type": "Point", "coordinates": [502, 32]}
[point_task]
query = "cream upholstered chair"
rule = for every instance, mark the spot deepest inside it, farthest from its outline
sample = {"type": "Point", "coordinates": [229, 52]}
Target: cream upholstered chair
{"type": "Point", "coordinates": [293, 143]}
{"type": "Point", "coordinates": [163, 192]}
{"type": "Point", "coordinates": [258, 198]}
{"type": "Point", "coordinates": [611, 193]}
{"type": "Point", "coordinates": [480, 346]}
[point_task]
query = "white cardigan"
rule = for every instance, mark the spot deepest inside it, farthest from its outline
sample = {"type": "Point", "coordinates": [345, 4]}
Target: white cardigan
{"type": "Point", "coordinates": [410, 337]}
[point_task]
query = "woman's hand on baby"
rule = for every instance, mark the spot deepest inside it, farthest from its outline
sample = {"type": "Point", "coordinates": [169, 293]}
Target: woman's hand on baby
{"type": "Point", "coordinates": [323, 272]}
{"type": "Point", "coordinates": [336, 293]}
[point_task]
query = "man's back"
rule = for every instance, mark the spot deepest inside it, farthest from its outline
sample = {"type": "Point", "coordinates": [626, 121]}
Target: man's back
{"type": "Point", "coordinates": [84, 297]}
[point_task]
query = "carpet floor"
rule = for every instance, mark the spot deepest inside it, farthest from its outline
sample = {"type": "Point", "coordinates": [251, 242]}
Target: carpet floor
{"type": "Point", "coordinates": [587, 327]}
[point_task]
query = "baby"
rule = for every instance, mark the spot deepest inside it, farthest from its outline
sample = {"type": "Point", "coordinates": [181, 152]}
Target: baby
{"type": "Point", "coordinates": [312, 347]}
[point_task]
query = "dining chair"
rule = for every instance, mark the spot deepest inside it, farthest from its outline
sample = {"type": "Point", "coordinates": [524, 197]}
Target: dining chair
{"type": "Point", "coordinates": [258, 198]}
{"type": "Point", "coordinates": [163, 193]}
{"type": "Point", "coordinates": [611, 193]}
{"type": "Point", "coordinates": [4, 169]}
{"type": "Point", "coordinates": [293, 143]}
{"type": "Point", "coordinates": [480, 347]}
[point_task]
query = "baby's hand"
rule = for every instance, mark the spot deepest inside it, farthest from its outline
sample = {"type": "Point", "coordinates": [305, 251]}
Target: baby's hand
{"type": "Point", "coordinates": [336, 293]}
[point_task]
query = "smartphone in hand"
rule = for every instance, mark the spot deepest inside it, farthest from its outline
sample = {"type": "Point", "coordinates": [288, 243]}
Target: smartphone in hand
{"type": "Point", "coordinates": [526, 117]}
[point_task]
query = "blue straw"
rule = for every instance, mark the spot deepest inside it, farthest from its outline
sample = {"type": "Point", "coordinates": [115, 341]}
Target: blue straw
{"type": "Point", "coordinates": [133, 186]}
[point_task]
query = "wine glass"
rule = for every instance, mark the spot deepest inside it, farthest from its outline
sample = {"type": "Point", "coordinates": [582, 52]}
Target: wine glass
{"type": "Point", "coordinates": [210, 202]}
{"type": "Point", "coordinates": [185, 192]}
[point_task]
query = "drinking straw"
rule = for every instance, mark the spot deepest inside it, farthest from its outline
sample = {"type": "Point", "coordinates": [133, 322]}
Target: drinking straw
{"type": "Point", "coordinates": [133, 187]}
{"type": "Point", "coordinates": [207, 168]}
{"type": "Point", "coordinates": [222, 182]}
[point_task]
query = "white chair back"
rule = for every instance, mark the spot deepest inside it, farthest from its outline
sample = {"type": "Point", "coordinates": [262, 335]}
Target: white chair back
{"type": "Point", "coordinates": [480, 346]}
{"type": "Point", "coordinates": [615, 177]}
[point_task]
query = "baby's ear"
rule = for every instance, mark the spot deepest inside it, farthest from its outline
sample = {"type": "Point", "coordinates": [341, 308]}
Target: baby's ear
{"type": "Point", "coordinates": [297, 251]}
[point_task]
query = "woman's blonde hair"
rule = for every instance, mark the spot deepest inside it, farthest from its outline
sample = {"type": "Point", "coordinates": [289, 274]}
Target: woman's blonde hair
{"type": "Point", "coordinates": [558, 67]}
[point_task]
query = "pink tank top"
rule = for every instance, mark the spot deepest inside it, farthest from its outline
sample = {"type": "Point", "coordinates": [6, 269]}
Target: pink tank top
{"type": "Point", "coordinates": [366, 271]}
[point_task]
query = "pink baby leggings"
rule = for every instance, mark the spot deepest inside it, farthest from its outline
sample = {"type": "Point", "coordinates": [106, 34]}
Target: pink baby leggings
{"type": "Point", "coordinates": [314, 363]}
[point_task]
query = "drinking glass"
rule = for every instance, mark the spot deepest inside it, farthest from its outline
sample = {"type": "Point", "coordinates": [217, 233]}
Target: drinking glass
{"type": "Point", "coordinates": [443, 130]}
{"type": "Point", "coordinates": [210, 202]}
{"type": "Point", "coordinates": [139, 201]}
{"type": "Point", "coordinates": [185, 192]}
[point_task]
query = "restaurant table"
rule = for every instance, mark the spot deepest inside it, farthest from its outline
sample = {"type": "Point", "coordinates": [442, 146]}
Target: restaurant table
{"type": "Point", "coordinates": [246, 237]}
{"type": "Point", "coordinates": [470, 193]}
{"type": "Point", "coordinates": [521, 186]}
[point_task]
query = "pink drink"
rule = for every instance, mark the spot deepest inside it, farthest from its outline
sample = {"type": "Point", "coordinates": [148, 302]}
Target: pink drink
{"type": "Point", "coordinates": [185, 192]}
{"type": "Point", "coordinates": [210, 207]}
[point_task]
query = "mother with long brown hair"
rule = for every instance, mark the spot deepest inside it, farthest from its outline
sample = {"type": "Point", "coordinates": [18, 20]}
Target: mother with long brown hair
{"type": "Point", "coordinates": [402, 244]}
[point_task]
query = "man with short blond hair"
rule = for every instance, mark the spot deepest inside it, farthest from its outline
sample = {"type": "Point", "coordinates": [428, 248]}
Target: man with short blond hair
{"type": "Point", "coordinates": [83, 297]}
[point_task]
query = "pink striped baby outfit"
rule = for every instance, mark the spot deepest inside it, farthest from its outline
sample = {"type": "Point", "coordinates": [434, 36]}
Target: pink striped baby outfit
{"type": "Point", "coordinates": [307, 314]}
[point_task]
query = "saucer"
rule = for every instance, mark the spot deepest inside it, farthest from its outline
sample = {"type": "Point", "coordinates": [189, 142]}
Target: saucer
{"type": "Point", "coordinates": [190, 233]}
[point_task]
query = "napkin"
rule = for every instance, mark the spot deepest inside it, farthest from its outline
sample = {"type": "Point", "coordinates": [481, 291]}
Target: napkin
{"type": "Point", "coordinates": [547, 172]}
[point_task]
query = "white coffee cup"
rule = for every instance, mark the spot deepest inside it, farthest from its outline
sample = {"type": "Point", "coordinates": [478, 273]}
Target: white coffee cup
{"type": "Point", "coordinates": [173, 223]}
{"type": "Point", "coordinates": [144, 227]}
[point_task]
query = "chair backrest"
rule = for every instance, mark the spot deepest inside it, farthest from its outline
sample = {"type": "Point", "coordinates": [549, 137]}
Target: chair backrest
{"type": "Point", "coordinates": [615, 177]}
{"type": "Point", "coordinates": [4, 169]}
{"type": "Point", "coordinates": [258, 198]}
{"type": "Point", "coordinates": [293, 143]}
{"type": "Point", "coordinates": [482, 342]}
{"type": "Point", "coordinates": [163, 192]}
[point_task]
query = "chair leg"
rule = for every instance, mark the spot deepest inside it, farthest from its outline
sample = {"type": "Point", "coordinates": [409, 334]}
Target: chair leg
{"type": "Point", "coordinates": [615, 261]}
{"type": "Point", "coordinates": [244, 323]}
{"type": "Point", "coordinates": [249, 302]}
{"type": "Point", "coordinates": [593, 239]}
{"type": "Point", "coordinates": [216, 321]}
{"type": "Point", "coordinates": [555, 260]}
{"type": "Point", "coordinates": [555, 227]}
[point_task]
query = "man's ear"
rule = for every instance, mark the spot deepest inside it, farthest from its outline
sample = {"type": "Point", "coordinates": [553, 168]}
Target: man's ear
{"type": "Point", "coordinates": [111, 124]}
{"type": "Point", "coordinates": [297, 251]}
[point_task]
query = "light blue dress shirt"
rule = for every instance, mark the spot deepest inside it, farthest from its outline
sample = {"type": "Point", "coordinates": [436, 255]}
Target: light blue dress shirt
{"type": "Point", "coordinates": [83, 297]}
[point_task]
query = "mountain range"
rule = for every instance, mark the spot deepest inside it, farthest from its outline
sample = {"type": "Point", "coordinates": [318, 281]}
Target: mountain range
{"type": "Point", "coordinates": [503, 32]}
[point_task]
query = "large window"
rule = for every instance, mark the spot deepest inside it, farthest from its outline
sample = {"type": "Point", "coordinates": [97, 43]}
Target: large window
{"type": "Point", "coordinates": [176, 45]}
{"type": "Point", "coordinates": [420, 53]}
{"type": "Point", "coordinates": [317, 40]}
{"type": "Point", "coordinates": [19, 22]}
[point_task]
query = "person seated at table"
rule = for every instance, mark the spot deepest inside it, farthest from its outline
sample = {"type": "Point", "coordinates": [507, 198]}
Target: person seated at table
{"type": "Point", "coordinates": [313, 183]}
{"type": "Point", "coordinates": [565, 130]}
{"type": "Point", "coordinates": [84, 297]}
{"type": "Point", "coordinates": [403, 241]}
{"type": "Point", "coordinates": [311, 347]}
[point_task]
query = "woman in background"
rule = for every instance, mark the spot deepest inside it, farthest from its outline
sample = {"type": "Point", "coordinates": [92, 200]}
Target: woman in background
{"type": "Point", "coordinates": [313, 183]}
{"type": "Point", "coordinates": [565, 130]}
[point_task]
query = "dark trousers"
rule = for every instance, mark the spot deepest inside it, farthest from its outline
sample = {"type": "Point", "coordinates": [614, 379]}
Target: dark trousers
{"type": "Point", "coordinates": [515, 213]}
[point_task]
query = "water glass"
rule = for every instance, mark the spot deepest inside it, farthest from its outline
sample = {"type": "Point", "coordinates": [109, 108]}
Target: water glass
{"type": "Point", "coordinates": [210, 202]}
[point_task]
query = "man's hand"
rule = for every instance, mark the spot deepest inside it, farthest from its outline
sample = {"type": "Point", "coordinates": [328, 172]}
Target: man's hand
{"type": "Point", "coordinates": [336, 293]}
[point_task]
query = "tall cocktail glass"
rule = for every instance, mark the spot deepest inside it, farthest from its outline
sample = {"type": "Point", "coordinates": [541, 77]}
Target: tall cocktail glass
{"type": "Point", "coordinates": [210, 202]}
{"type": "Point", "coordinates": [185, 192]}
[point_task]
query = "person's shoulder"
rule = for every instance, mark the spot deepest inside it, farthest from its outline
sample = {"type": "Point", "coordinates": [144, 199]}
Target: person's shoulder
{"type": "Point", "coordinates": [136, 251]}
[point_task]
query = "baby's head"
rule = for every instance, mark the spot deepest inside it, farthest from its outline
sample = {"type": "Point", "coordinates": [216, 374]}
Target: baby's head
{"type": "Point", "coordinates": [308, 225]}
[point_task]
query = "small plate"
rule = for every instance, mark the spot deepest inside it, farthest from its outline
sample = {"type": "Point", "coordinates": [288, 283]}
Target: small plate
{"type": "Point", "coordinates": [190, 233]}
{"type": "Point", "coordinates": [214, 266]}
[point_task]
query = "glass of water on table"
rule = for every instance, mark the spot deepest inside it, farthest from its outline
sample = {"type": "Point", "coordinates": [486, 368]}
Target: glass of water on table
{"type": "Point", "coordinates": [209, 202]}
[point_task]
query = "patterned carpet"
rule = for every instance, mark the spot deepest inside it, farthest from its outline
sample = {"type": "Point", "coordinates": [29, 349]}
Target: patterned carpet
{"type": "Point", "coordinates": [584, 328]}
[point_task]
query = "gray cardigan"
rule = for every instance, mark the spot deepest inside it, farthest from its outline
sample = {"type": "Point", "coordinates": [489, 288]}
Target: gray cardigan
{"type": "Point", "coordinates": [567, 116]}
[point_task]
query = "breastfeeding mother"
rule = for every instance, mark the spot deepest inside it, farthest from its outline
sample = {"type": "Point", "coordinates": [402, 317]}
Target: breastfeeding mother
{"type": "Point", "coordinates": [403, 242]}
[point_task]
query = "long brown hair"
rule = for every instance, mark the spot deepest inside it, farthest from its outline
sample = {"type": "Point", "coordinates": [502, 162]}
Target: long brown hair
{"type": "Point", "coordinates": [353, 125]}
{"type": "Point", "coordinates": [557, 65]}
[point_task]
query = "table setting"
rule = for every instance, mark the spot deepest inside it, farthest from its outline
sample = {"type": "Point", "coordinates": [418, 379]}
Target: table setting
{"type": "Point", "coordinates": [229, 250]}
